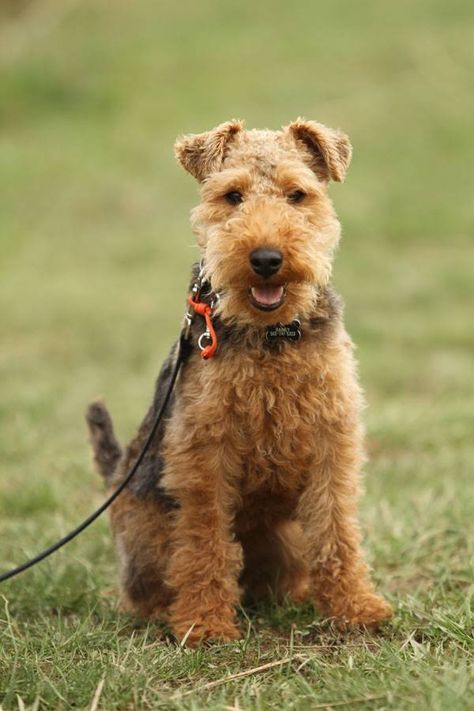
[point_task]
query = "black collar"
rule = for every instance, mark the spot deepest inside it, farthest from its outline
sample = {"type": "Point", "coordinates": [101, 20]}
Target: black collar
{"type": "Point", "coordinates": [273, 336]}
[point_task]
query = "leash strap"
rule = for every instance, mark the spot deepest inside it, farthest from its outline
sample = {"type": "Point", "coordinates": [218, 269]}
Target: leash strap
{"type": "Point", "coordinates": [184, 350]}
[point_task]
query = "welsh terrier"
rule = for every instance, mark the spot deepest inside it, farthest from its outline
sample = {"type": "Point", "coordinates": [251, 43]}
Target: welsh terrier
{"type": "Point", "coordinates": [251, 483]}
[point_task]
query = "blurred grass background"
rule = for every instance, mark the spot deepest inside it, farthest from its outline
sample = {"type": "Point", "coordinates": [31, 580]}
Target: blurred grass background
{"type": "Point", "coordinates": [95, 251]}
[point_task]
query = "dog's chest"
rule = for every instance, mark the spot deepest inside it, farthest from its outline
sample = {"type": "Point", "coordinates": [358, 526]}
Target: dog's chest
{"type": "Point", "coordinates": [270, 404]}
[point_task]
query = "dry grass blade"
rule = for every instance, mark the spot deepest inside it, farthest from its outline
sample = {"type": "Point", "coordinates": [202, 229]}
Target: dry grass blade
{"type": "Point", "coordinates": [97, 693]}
{"type": "Point", "coordinates": [349, 702]}
{"type": "Point", "coordinates": [238, 675]}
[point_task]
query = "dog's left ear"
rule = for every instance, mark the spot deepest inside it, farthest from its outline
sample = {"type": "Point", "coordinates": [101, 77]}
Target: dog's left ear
{"type": "Point", "coordinates": [202, 153]}
{"type": "Point", "coordinates": [330, 151]}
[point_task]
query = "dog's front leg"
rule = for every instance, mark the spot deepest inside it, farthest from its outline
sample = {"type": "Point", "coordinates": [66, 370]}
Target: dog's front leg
{"type": "Point", "coordinates": [205, 562]}
{"type": "Point", "coordinates": [340, 580]}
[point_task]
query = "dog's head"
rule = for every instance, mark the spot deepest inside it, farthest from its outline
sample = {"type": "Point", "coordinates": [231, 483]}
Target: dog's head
{"type": "Point", "coordinates": [266, 225]}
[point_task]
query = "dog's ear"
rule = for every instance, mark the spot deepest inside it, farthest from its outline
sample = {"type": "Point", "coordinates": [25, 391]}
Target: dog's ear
{"type": "Point", "coordinates": [202, 153]}
{"type": "Point", "coordinates": [329, 151]}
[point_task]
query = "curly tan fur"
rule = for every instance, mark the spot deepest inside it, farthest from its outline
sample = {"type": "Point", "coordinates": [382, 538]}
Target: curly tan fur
{"type": "Point", "coordinates": [263, 446]}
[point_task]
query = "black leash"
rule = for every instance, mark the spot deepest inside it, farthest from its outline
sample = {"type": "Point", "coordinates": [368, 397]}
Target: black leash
{"type": "Point", "coordinates": [183, 352]}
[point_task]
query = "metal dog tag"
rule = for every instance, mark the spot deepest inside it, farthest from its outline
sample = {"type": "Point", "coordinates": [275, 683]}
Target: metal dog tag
{"type": "Point", "coordinates": [290, 331]}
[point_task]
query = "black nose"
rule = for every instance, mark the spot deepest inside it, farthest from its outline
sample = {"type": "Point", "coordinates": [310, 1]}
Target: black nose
{"type": "Point", "coordinates": [266, 262]}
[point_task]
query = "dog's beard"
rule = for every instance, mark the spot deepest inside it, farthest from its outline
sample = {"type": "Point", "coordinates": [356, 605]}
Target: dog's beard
{"type": "Point", "coordinates": [236, 305]}
{"type": "Point", "coordinates": [290, 293]}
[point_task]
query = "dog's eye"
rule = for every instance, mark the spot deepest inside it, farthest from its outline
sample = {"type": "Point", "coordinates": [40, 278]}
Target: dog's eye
{"type": "Point", "coordinates": [296, 196]}
{"type": "Point", "coordinates": [233, 197]}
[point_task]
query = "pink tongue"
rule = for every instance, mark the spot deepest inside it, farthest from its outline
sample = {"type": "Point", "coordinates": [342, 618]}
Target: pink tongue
{"type": "Point", "coordinates": [267, 294]}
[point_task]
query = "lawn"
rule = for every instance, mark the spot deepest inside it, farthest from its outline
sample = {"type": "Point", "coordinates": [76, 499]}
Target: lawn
{"type": "Point", "coordinates": [95, 251]}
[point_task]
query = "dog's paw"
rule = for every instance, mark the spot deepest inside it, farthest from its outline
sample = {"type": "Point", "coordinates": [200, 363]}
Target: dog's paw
{"type": "Point", "coordinates": [366, 611]}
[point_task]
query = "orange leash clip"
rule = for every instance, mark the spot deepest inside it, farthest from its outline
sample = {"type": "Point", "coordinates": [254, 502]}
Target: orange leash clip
{"type": "Point", "coordinates": [209, 334]}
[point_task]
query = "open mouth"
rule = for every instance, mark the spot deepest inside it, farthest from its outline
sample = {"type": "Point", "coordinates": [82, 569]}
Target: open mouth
{"type": "Point", "coordinates": [267, 298]}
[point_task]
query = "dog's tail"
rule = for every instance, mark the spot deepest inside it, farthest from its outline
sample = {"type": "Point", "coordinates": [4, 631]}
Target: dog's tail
{"type": "Point", "coordinates": [107, 450]}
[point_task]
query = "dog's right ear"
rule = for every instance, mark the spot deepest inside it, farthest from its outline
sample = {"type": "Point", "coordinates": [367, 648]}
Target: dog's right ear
{"type": "Point", "coordinates": [202, 153]}
{"type": "Point", "coordinates": [329, 151]}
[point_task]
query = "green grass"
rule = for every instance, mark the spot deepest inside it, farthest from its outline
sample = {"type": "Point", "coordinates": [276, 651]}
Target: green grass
{"type": "Point", "coordinates": [95, 251]}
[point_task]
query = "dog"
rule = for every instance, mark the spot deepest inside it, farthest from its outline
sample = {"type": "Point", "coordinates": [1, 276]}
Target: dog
{"type": "Point", "coordinates": [251, 484]}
